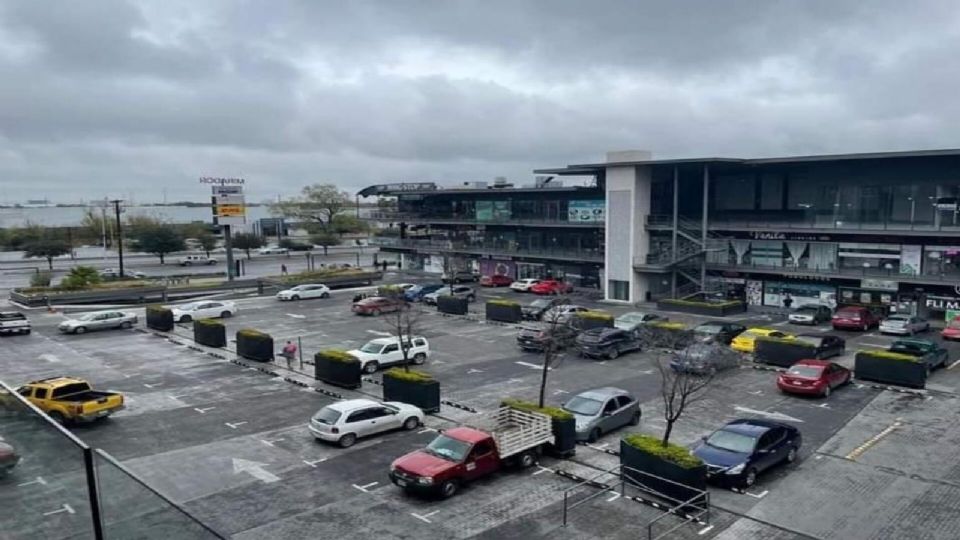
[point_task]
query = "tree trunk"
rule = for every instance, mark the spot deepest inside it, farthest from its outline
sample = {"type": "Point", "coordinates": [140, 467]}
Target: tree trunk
{"type": "Point", "coordinates": [247, 251]}
{"type": "Point", "coordinates": [543, 381]}
{"type": "Point", "coordinates": [667, 431]}
{"type": "Point", "coordinates": [50, 262]}
{"type": "Point", "coordinates": [161, 259]}
{"type": "Point", "coordinates": [324, 249]}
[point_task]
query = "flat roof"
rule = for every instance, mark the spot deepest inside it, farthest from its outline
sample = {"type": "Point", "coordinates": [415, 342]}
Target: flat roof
{"type": "Point", "coordinates": [488, 190]}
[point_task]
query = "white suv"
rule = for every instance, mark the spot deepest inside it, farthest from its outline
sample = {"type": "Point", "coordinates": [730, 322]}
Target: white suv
{"type": "Point", "coordinates": [386, 351]}
{"type": "Point", "coordinates": [523, 285]}
{"type": "Point", "coordinates": [190, 260]}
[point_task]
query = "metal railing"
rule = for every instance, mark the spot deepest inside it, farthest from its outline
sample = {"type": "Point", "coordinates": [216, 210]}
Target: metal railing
{"type": "Point", "coordinates": [593, 255]}
{"type": "Point", "coordinates": [662, 221]}
{"type": "Point", "coordinates": [834, 271]}
{"type": "Point", "coordinates": [414, 217]}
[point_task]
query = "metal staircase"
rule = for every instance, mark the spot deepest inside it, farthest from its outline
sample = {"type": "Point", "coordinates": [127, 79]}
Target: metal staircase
{"type": "Point", "coordinates": [687, 259]}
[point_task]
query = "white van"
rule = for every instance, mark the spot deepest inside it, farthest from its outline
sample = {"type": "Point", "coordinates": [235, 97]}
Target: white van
{"type": "Point", "coordinates": [386, 351]}
{"type": "Point", "coordinates": [190, 260]}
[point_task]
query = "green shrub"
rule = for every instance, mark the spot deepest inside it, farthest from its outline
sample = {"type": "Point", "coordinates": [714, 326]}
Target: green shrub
{"type": "Point", "coordinates": [320, 275]}
{"type": "Point", "coordinates": [785, 341]}
{"type": "Point", "coordinates": [335, 355]}
{"type": "Point", "coordinates": [253, 334]}
{"type": "Point", "coordinates": [596, 315]}
{"type": "Point", "coordinates": [889, 355]}
{"type": "Point", "coordinates": [418, 377]}
{"type": "Point", "coordinates": [208, 322]}
{"type": "Point", "coordinates": [156, 308]}
{"type": "Point", "coordinates": [674, 453]}
{"type": "Point", "coordinates": [40, 279]}
{"type": "Point", "coordinates": [553, 412]}
{"type": "Point", "coordinates": [503, 302]}
{"type": "Point", "coordinates": [668, 325]}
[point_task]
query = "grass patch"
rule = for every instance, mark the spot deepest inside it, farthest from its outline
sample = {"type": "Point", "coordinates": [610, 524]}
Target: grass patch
{"type": "Point", "coordinates": [336, 355]}
{"type": "Point", "coordinates": [250, 333]}
{"type": "Point", "coordinates": [596, 315]}
{"type": "Point", "coordinates": [157, 309]}
{"type": "Point", "coordinates": [674, 453]}
{"type": "Point", "coordinates": [553, 412]}
{"type": "Point", "coordinates": [785, 341]}
{"type": "Point", "coordinates": [413, 376]}
{"type": "Point", "coordinates": [208, 322]}
{"type": "Point", "coordinates": [668, 325]}
{"type": "Point", "coordinates": [503, 302]}
{"type": "Point", "coordinates": [107, 286]}
{"type": "Point", "coordinates": [889, 355]}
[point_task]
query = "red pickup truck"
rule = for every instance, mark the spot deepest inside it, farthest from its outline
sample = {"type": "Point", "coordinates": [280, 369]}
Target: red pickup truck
{"type": "Point", "coordinates": [463, 454]}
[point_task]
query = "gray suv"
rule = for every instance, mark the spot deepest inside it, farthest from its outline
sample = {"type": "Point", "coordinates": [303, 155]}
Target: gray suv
{"type": "Point", "coordinates": [601, 411]}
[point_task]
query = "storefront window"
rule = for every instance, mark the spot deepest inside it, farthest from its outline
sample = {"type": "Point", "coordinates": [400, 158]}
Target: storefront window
{"type": "Point", "coordinates": [618, 290]}
{"type": "Point", "coordinates": [941, 260]}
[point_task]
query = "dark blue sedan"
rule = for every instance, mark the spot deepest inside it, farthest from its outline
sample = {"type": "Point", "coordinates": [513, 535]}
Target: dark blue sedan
{"type": "Point", "coordinates": [417, 292]}
{"type": "Point", "coordinates": [739, 451]}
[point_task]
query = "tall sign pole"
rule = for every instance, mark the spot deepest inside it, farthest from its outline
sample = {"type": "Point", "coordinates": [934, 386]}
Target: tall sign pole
{"type": "Point", "coordinates": [116, 207]}
{"type": "Point", "coordinates": [229, 209]}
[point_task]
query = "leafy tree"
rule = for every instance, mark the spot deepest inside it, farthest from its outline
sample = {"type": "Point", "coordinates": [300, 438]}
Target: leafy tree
{"type": "Point", "coordinates": [246, 242]}
{"type": "Point", "coordinates": [80, 277]}
{"type": "Point", "coordinates": [159, 240]}
{"type": "Point", "coordinates": [319, 203]}
{"type": "Point", "coordinates": [345, 224]}
{"type": "Point", "coordinates": [40, 279]}
{"type": "Point", "coordinates": [136, 226]}
{"type": "Point", "coordinates": [93, 225]}
{"type": "Point", "coordinates": [325, 239]}
{"type": "Point", "coordinates": [207, 240]}
{"type": "Point", "coordinates": [47, 247]}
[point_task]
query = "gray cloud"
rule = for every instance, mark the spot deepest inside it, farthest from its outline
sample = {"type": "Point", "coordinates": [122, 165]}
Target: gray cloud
{"type": "Point", "coordinates": [101, 96]}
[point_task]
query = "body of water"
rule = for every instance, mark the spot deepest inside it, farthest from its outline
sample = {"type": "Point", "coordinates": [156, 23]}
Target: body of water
{"type": "Point", "coordinates": [72, 216]}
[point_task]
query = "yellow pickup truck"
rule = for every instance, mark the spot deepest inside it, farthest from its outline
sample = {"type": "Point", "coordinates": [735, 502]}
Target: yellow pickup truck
{"type": "Point", "coordinates": [71, 399]}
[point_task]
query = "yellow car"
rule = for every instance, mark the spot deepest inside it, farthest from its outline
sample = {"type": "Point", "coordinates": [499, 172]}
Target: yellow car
{"type": "Point", "coordinates": [746, 341]}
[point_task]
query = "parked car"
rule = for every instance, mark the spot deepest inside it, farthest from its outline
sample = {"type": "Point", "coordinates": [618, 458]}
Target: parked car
{"type": "Point", "coordinates": [952, 330]}
{"type": "Point", "coordinates": [932, 354]}
{"type": "Point", "coordinates": [602, 410]}
{"type": "Point", "coordinates": [13, 322]}
{"type": "Point", "coordinates": [296, 246]}
{"type": "Point", "coordinates": [71, 399]}
{"type": "Point", "coordinates": [704, 358]}
{"type": "Point", "coordinates": [523, 285]}
{"type": "Point", "coordinates": [813, 377]}
{"type": "Point", "coordinates": [533, 336]}
{"type": "Point", "coordinates": [606, 342]}
{"type": "Point", "coordinates": [535, 309]}
{"type": "Point", "coordinates": [417, 292]}
{"type": "Point", "coordinates": [375, 305]}
{"type": "Point", "coordinates": [461, 276]}
{"type": "Point", "coordinates": [496, 280]}
{"type": "Point", "coordinates": [205, 309]}
{"type": "Point", "coordinates": [551, 286]}
{"type": "Point", "coordinates": [386, 352]}
{"type": "Point", "coordinates": [810, 314]}
{"type": "Point", "coordinates": [8, 459]}
{"type": "Point", "coordinates": [194, 260]}
{"type": "Point", "coordinates": [854, 318]}
{"type": "Point", "coordinates": [459, 291]}
{"type": "Point", "coordinates": [562, 313]}
{"type": "Point", "coordinates": [306, 290]}
{"type": "Point", "coordinates": [825, 346]}
{"type": "Point", "coordinates": [719, 331]}
{"type": "Point", "coordinates": [113, 273]}
{"type": "Point", "coordinates": [747, 340]}
{"type": "Point", "coordinates": [273, 250]}
{"type": "Point", "coordinates": [98, 320]}
{"type": "Point", "coordinates": [904, 325]}
{"type": "Point", "coordinates": [633, 320]}
{"type": "Point", "coordinates": [741, 450]}
{"type": "Point", "coordinates": [461, 455]}
{"type": "Point", "coordinates": [346, 421]}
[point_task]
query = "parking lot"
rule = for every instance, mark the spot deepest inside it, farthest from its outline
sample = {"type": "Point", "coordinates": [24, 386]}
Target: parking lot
{"type": "Point", "coordinates": [230, 444]}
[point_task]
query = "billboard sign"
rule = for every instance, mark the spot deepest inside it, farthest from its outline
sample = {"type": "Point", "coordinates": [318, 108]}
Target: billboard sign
{"type": "Point", "coordinates": [229, 206]}
{"type": "Point", "coordinates": [586, 211]}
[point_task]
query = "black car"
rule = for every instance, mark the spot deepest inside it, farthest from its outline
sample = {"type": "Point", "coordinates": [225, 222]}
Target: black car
{"type": "Point", "coordinates": [739, 451]}
{"type": "Point", "coordinates": [722, 332]}
{"type": "Point", "coordinates": [533, 337]}
{"type": "Point", "coordinates": [606, 342]}
{"type": "Point", "coordinates": [461, 276]}
{"type": "Point", "coordinates": [535, 309]}
{"type": "Point", "coordinates": [825, 346]}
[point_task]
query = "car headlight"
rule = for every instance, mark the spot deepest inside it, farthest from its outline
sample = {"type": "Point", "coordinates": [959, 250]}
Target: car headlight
{"type": "Point", "coordinates": [425, 480]}
{"type": "Point", "coordinates": [736, 470]}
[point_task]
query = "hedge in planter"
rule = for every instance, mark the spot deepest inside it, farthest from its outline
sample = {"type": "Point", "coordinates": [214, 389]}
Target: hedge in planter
{"type": "Point", "coordinates": [452, 304]}
{"type": "Point", "coordinates": [254, 345]}
{"type": "Point", "coordinates": [210, 332]}
{"type": "Point", "coordinates": [413, 387]}
{"type": "Point", "coordinates": [338, 368]}
{"type": "Point", "coordinates": [714, 309]}
{"type": "Point", "coordinates": [782, 352]}
{"type": "Point", "coordinates": [686, 473]}
{"type": "Point", "coordinates": [504, 311]}
{"type": "Point", "coordinates": [891, 368]}
{"type": "Point", "coordinates": [564, 426]}
{"type": "Point", "coordinates": [586, 320]}
{"type": "Point", "coordinates": [389, 290]}
{"type": "Point", "coordinates": [666, 334]}
{"type": "Point", "coordinates": [159, 318]}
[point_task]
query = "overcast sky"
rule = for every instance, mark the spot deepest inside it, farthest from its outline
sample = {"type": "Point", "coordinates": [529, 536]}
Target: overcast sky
{"type": "Point", "coordinates": [123, 97]}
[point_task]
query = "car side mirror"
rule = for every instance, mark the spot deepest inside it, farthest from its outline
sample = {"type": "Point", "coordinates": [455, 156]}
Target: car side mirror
{"type": "Point", "coordinates": [763, 451]}
{"type": "Point", "coordinates": [605, 413]}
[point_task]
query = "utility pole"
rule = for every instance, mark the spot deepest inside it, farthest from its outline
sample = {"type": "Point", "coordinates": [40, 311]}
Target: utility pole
{"type": "Point", "coordinates": [116, 207]}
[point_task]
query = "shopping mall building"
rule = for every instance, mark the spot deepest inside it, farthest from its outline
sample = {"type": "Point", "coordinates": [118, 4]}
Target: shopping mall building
{"type": "Point", "coordinates": [878, 229]}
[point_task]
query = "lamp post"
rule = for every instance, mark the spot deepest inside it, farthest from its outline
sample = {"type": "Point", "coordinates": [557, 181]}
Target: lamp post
{"type": "Point", "coordinates": [116, 207]}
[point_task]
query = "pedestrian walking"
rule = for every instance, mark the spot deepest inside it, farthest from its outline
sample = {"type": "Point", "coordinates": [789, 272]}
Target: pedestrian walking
{"type": "Point", "coordinates": [289, 352]}
{"type": "Point", "coordinates": [384, 266]}
{"type": "Point", "coordinates": [787, 301]}
{"type": "Point", "coordinates": [283, 269]}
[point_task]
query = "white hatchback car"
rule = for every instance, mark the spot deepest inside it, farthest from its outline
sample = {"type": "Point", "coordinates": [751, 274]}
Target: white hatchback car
{"type": "Point", "coordinates": [346, 421]}
{"type": "Point", "coordinates": [203, 310]}
{"type": "Point", "coordinates": [523, 285]}
{"type": "Point", "coordinates": [386, 351]}
{"type": "Point", "coordinates": [307, 290]}
{"type": "Point", "coordinates": [191, 260]}
{"type": "Point", "coordinates": [273, 250]}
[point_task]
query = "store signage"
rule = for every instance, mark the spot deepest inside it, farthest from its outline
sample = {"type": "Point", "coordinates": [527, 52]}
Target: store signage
{"type": "Point", "coordinates": [586, 211]}
{"type": "Point", "coordinates": [381, 189]}
{"type": "Point", "coordinates": [880, 284]}
{"type": "Point", "coordinates": [808, 237]}
{"type": "Point", "coordinates": [222, 181]}
{"type": "Point", "coordinates": [942, 303]}
{"type": "Point", "coordinates": [229, 206]}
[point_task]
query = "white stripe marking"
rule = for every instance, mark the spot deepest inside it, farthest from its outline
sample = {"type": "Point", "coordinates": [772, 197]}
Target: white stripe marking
{"type": "Point", "coordinates": [705, 530]}
{"type": "Point", "coordinates": [953, 365]}
{"type": "Point", "coordinates": [424, 517]}
{"type": "Point", "coordinates": [364, 488]}
{"type": "Point", "coordinates": [296, 316]}
{"type": "Point", "coordinates": [65, 508]}
{"type": "Point", "coordinates": [614, 497]}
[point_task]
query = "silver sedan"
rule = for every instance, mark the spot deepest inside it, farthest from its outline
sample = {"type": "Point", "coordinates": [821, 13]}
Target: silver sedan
{"type": "Point", "coordinates": [601, 411]}
{"type": "Point", "coordinates": [98, 320]}
{"type": "Point", "coordinates": [903, 325]}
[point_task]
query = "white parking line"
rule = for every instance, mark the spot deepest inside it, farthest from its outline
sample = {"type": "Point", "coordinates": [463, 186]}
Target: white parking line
{"type": "Point", "coordinates": [757, 495]}
{"type": "Point", "coordinates": [296, 315]}
{"type": "Point", "coordinates": [614, 497]}
{"type": "Point", "coordinates": [153, 385]}
{"type": "Point", "coordinates": [599, 446]}
{"type": "Point", "coordinates": [203, 410]}
{"type": "Point", "coordinates": [364, 488]}
{"type": "Point", "coordinates": [39, 480]}
{"type": "Point", "coordinates": [424, 517]}
{"type": "Point", "coordinates": [705, 530]}
{"type": "Point", "coordinates": [234, 425]}
{"type": "Point", "coordinates": [953, 365]}
{"type": "Point", "coordinates": [314, 463]}
{"type": "Point", "coordinates": [472, 370]}
{"type": "Point", "coordinates": [541, 470]}
{"type": "Point", "coordinates": [426, 430]}
{"type": "Point", "coordinates": [65, 508]}
{"type": "Point", "coordinates": [557, 392]}
{"type": "Point", "coordinates": [532, 366]}
{"type": "Point", "coordinates": [269, 442]}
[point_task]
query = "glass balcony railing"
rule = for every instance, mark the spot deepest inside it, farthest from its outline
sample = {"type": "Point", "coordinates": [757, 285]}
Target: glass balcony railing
{"type": "Point", "coordinates": [412, 217]}
{"type": "Point", "coordinates": [813, 223]}
{"type": "Point", "coordinates": [494, 248]}
{"type": "Point", "coordinates": [872, 272]}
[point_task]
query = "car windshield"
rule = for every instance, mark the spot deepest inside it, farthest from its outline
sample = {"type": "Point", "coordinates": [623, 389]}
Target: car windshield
{"type": "Point", "coordinates": [188, 307]}
{"type": "Point", "coordinates": [708, 329]}
{"type": "Point", "coordinates": [630, 318]}
{"type": "Point", "coordinates": [327, 416]}
{"type": "Point", "coordinates": [442, 291]}
{"type": "Point", "coordinates": [582, 405]}
{"type": "Point", "coordinates": [810, 309]}
{"type": "Point", "coordinates": [897, 319]}
{"type": "Point", "coordinates": [810, 372]}
{"type": "Point", "coordinates": [448, 448]}
{"type": "Point", "coordinates": [954, 324]}
{"type": "Point", "coordinates": [540, 303]}
{"type": "Point", "coordinates": [371, 347]}
{"type": "Point", "coordinates": [915, 349]}
{"type": "Point", "coordinates": [753, 332]}
{"type": "Point", "coordinates": [731, 441]}
{"type": "Point", "coordinates": [88, 316]}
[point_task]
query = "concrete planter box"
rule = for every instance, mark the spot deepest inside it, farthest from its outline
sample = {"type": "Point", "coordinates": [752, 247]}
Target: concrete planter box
{"type": "Point", "coordinates": [692, 481]}
{"type": "Point", "coordinates": [159, 318]}
{"type": "Point", "coordinates": [586, 323]}
{"type": "Point", "coordinates": [870, 367]}
{"type": "Point", "coordinates": [132, 295]}
{"type": "Point", "coordinates": [711, 310]}
{"type": "Point", "coordinates": [502, 313]}
{"type": "Point", "coordinates": [257, 347]}
{"type": "Point", "coordinates": [423, 395]}
{"type": "Point", "coordinates": [452, 305]}
{"type": "Point", "coordinates": [210, 333]}
{"type": "Point", "coordinates": [564, 438]}
{"type": "Point", "coordinates": [334, 282]}
{"type": "Point", "coordinates": [337, 372]}
{"type": "Point", "coordinates": [656, 336]}
{"type": "Point", "coordinates": [777, 353]}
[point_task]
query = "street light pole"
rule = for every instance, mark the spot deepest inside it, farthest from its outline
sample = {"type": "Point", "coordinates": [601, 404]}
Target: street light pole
{"type": "Point", "coordinates": [116, 207]}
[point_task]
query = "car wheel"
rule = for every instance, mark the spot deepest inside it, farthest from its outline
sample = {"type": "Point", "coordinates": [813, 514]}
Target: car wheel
{"type": "Point", "coordinates": [226, 315]}
{"type": "Point", "coordinates": [79, 329]}
{"type": "Point", "coordinates": [471, 298]}
{"type": "Point", "coordinates": [826, 391]}
{"type": "Point", "coordinates": [57, 417]}
{"type": "Point", "coordinates": [791, 455]}
{"type": "Point", "coordinates": [750, 477]}
{"type": "Point", "coordinates": [411, 423]}
{"type": "Point", "coordinates": [613, 354]}
{"type": "Point", "coordinates": [295, 297]}
{"type": "Point", "coordinates": [347, 440]}
{"type": "Point", "coordinates": [371, 367]}
{"type": "Point", "coordinates": [594, 435]}
{"type": "Point", "coordinates": [188, 263]}
{"type": "Point", "coordinates": [449, 489]}
{"type": "Point", "coordinates": [325, 295]}
{"type": "Point", "coordinates": [126, 325]}
{"type": "Point", "coordinates": [866, 327]}
{"type": "Point", "coordinates": [185, 318]}
{"type": "Point", "coordinates": [635, 419]}
{"type": "Point", "coordinates": [375, 312]}
{"type": "Point", "coordinates": [527, 460]}
{"type": "Point", "coordinates": [419, 358]}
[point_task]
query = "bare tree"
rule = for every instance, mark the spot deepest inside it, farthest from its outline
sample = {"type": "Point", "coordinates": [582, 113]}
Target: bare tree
{"type": "Point", "coordinates": [557, 336]}
{"type": "Point", "coordinates": [404, 324]}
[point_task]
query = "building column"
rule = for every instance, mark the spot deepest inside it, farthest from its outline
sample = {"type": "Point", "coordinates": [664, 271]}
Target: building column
{"type": "Point", "coordinates": [676, 223]}
{"type": "Point", "coordinates": [627, 207]}
{"type": "Point", "coordinates": [703, 233]}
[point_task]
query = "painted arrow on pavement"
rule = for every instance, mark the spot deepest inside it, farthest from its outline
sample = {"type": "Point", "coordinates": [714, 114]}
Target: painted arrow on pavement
{"type": "Point", "coordinates": [254, 469]}
{"type": "Point", "coordinates": [768, 414]}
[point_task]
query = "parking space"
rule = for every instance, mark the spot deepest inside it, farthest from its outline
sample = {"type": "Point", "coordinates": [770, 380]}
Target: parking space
{"type": "Point", "coordinates": [231, 444]}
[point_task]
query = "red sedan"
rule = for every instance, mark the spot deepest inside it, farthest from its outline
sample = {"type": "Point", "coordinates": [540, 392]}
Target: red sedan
{"type": "Point", "coordinates": [551, 286]}
{"type": "Point", "coordinates": [813, 377]}
{"type": "Point", "coordinates": [497, 280]}
{"type": "Point", "coordinates": [952, 330]}
{"type": "Point", "coordinates": [376, 305]}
